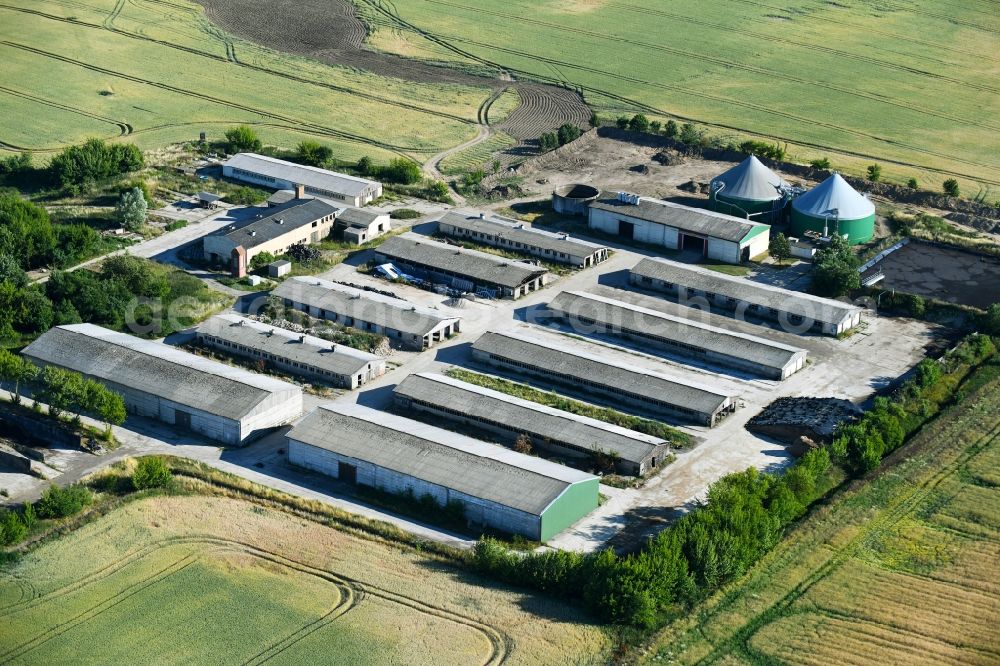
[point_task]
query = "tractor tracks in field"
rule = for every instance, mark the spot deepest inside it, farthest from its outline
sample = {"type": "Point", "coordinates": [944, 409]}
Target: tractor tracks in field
{"type": "Point", "coordinates": [876, 527]}
{"type": "Point", "coordinates": [351, 593]}
{"type": "Point", "coordinates": [124, 129]}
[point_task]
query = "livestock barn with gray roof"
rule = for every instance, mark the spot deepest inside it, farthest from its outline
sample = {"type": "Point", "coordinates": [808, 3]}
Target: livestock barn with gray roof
{"type": "Point", "coordinates": [714, 235]}
{"type": "Point", "coordinates": [298, 354]}
{"type": "Point", "coordinates": [614, 382]}
{"type": "Point", "coordinates": [795, 311]}
{"type": "Point", "coordinates": [552, 430]}
{"type": "Point", "coordinates": [219, 401]}
{"type": "Point", "coordinates": [518, 237]}
{"type": "Point", "coordinates": [467, 270]}
{"type": "Point", "coordinates": [410, 326]}
{"type": "Point", "coordinates": [497, 487]}
{"type": "Point", "coordinates": [684, 337]}
{"type": "Point", "coordinates": [278, 174]}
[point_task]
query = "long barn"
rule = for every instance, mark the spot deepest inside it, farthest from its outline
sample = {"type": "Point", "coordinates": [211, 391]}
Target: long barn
{"type": "Point", "coordinates": [796, 311]}
{"type": "Point", "coordinates": [681, 336]}
{"type": "Point", "coordinates": [553, 430]}
{"type": "Point", "coordinates": [497, 487]}
{"type": "Point", "coordinates": [616, 383]}
{"type": "Point", "coordinates": [222, 402]}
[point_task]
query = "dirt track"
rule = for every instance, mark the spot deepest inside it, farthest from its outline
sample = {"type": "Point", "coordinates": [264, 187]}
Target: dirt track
{"type": "Point", "coordinates": [331, 32]}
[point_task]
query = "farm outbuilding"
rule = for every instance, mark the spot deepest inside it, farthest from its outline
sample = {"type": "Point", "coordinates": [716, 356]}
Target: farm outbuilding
{"type": "Point", "coordinates": [749, 190]}
{"type": "Point", "coordinates": [714, 235]}
{"type": "Point", "coordinates": [615, 383]}
{"type": "Point", "coordinates": [550, 430]}
{"type": "Point", "coordinates": [498, 488]}
{"type": "Point", "coordinates": [320, 183]}
{"type": "Point", "coordinates": [279, 268]}
{"type": "Point", "coordinates": [221, 402]}
{"type": "Point", "coordinates": [834, 208]}
{"type": "Point", "coordinates": [409, 326]}
{"type": "Point", "coordinates": [301, 221]}
{"type": "Point", "coordinates": [796, 311]}
{"type": "Point", "coordinates": [294, 353]}
{"type": "Point", "coordinates": [682, 336]}
{"type": "Point", "coordinates": [521, 238]}
{"type": "Point", "coordinates": [357, 225]}
{"type": "Point", "coordinates": [467, 270]}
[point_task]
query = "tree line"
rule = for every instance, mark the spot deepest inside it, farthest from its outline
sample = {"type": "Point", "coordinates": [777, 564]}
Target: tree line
{"type": "Point", "coordinates": [744, 516]}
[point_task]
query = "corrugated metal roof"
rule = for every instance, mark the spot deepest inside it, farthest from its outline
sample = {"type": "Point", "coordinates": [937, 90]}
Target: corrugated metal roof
{"type": "Point", "coordinates": [437, 456]}
{"type": "Point", "coordinates": [834, 198]}
{"type": "Point", "coordinates": [567, 361]}
{"type": "Point", "coordinates": [316, 352]}
{"type": "Point", "coordinates": [300, 174]}
{"type": "Point", "coordinates": [520, 233]}
{"type": "Point", "coordinates": [619, 314]}
{"type": "Point", "coordinates": [357, 217]}
{"type": "Point", "coordinates": [362, 305]}
{"type": "Point", "coordinates": [749, 180]}
{"type": "Point", "coordinates": [479, 267]}
{"type": "Point", "coordinates": [783, 300]}
{"type": "Point", "coordinates": [685, 218]}
{"type": "Point", "coordinates": [156, 369]}
{"type": "Point", "coordinates": [279, 221]}
{"type": "Point", "coordinates": [476, 402]}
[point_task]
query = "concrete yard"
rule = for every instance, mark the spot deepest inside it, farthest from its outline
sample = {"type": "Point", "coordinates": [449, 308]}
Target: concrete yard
{"type": "Point", "coordinates": [879, 352]}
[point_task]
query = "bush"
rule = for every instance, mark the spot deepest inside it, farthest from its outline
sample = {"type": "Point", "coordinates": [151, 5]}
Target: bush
{"type": "Point", "coordinates": [261, 259]}
{"type": "Point", "coordinates": [874, 173]}
{"type": "Point", "coordinates": [175, 225]}
{"type": "Point", "coordinates": [567, 133]}
{"type": "Point", "coordinates": [365, 165]}
{"type": "Point", "coordinates": [670, 130]}
{"type": "Point", "coordinates": [761, 149]}
{"type": "Point", "coordinates": [151, 472]}
{"type": "Point", "coordinates": [821, 163]}
{"type": "Point", "coordinates": [313, 153]}
{"type": "Point", "coordinates": [691, 135]}
{"type": "Point", "coordinates": [59, 502]}
{"type": "Point", "coordinates": [406, 213]}
{"type": "Point", "coordinates": [402, 171]}
{"type": "Point", "coordinates": [912, 183]}
{"type": "Point", "coordinates": [621, 122]}
{"type": "Point", "coordinates": [93, 162]}
{"type": "Point", "coordinates": [243, 139]}
{"type": "Point", "coordinates": [950, 187]}
{"type": "Point", "coordinates": [12, 528]}
{"type": "Point", "coordinates": [655, 127]}
{"type": "Point", "coordinates": [246, 196]}
{"type": "Point", "coordinates": [639, 123]}
{"type": "Point", "coordinates": [547, 142]}
{"type": "Point", "coordinates": [779, 247]}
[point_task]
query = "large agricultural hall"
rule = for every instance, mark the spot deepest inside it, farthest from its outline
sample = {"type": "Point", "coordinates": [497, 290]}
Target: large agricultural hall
{"type": "Point", "coordinates": [278, 174]}
{"type": "Point", "coordinates": [681, 336]}
{"type": "Point", "coordinates": [497, 488]}
{"type": "Point", "coordinates": [795, 311]}
{"type": "Point", "coordinates": [623, 386]}
{"type": "Point", "coordinates": [554, 431]}
{"type": "Point", "coordinates": [713, 235]}
{"type": "Point", "coordinates": [221, 402]}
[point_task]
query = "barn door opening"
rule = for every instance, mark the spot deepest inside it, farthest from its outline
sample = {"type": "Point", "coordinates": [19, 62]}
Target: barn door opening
{"type": "Point", "coordinates": [182, 419]}
{"type": "Point", "coordinates": [347, 473]}
{"type": "Point", "coordinates": [689, 242]}
{"type": "Point", "coordinates": [626, 229]}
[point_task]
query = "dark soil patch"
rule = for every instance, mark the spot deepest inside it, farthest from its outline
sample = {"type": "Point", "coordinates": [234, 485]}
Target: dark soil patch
{"type": "Point", "coordinates": [943, 273]}
{"type": "Point", "coordinates": [331, 32]}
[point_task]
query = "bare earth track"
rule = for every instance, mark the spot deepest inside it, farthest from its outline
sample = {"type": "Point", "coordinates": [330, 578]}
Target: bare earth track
{"type": "Point", "coordinates": [333, 33]}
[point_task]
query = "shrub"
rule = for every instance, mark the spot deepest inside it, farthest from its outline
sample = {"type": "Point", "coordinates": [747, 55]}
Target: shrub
{"type": "Point", "coordinates": [548, 141]}
{"type": "Point", "coordinates": [313, 153]}
{"type": "Point", "coordinates": [762, 149]}
{"type": "Point", "coordinates": [950, 187]}
{"type": "Point", "coordinates": [402, 171]}
{"type": "Point", "coordinates": [12, 528]}
{"type": "Point", "coordinates": [670, 130]}
{"type": "Point", "coordinates": [365, 165]}
{"type": "Point", "coordinates": [821, 163]}
{"type": "Point", "coordinates": [151, 472]}
{"type": "Point", "coordinates": [779, 247]}
{"type": "Point", "coordinates": [912, 183]}
{"type": "Point", "coordinates": [406, 213]}
{"type": "Point", "coordinates": [621, 122]}
{"type": "Point", "coordinates": [690, 134]}
{"type": "Point", "coordinates": [261, 259]}
{"type": "Point", "coordinates": [567, 133]}
{"type": "Point", "coordinates": [246, 196]}
{"type": "Point", "coordinates": [243, 139]}
{"type": "Point", "coordinates": [655, 127]}
{"type": "Point", "coordinates": [874, 173]}
{"type": "Point", "coordinates": [175, 225]}
{"type": "Point", "coordinates": [59, 502]}
{"type": "Point", "coordinates": [639, 123]}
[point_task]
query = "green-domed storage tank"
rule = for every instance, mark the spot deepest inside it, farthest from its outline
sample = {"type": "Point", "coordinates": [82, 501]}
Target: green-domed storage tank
{"type": "Point", "coordinates": [834, 207]}
{"type": "Point", "coordinates": [748, 189]}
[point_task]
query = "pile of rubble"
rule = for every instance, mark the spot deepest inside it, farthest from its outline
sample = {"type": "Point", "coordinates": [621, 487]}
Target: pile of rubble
{"type": "Point", "coordinates": [803, 422]}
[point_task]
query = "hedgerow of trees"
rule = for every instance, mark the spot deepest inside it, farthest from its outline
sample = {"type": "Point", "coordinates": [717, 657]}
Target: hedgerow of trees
{"type": "Point", "coordinates": [30, 240]}
{"type": "Point", "coordinates": [744, 516]}
{"type": "Point", "coordinates": [96, 160]}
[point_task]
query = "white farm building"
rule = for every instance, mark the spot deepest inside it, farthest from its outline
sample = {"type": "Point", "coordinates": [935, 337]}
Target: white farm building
{"type": "Point", "coordinates": [715, 235]}
{"type": "Point", "coordinates": [278, 174]}
{"type": "Point", "coordinates": [219, 401]}
{"type": "Point", "coordinates": [497, 487]}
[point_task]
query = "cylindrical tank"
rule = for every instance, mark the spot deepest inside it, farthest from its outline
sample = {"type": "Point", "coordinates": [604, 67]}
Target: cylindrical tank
{"type": "Point", "coordinates": [574, 198]}
{"type": "Point", "coordinates": [748, 189]}
{"type": "Point", "coordinates": [836, 208]}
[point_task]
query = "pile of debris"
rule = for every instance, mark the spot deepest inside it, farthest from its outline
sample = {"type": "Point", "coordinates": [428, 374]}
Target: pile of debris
{"type": "Point", "coordinates": [695, 187]}
{"type": "Point", "coordinates": [804, 423]}
{"type": "Point", "coordinates": [669, 158]}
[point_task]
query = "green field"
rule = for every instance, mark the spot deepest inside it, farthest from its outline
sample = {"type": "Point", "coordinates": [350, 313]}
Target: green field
{"type": "Point", "coordinates": [158, 72]}
{"type": "Point", "coordinates": [911, 84]}
{"type": "Point", "coordinates": [209, 580]}
{"type": "Point", "coordinates": [899, 568]}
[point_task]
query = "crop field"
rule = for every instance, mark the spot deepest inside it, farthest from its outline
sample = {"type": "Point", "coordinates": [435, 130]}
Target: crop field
{"type": "Point", "coordinates": [478, 156]}
{"type": "Point", "coordinates": [156, 72]}
{"type": "Point", "coordinates": [900, 568]}
{"type": "Point", "coordinates": [912, 85]}
{"type": "Point", "coordinates": [210, 580]}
